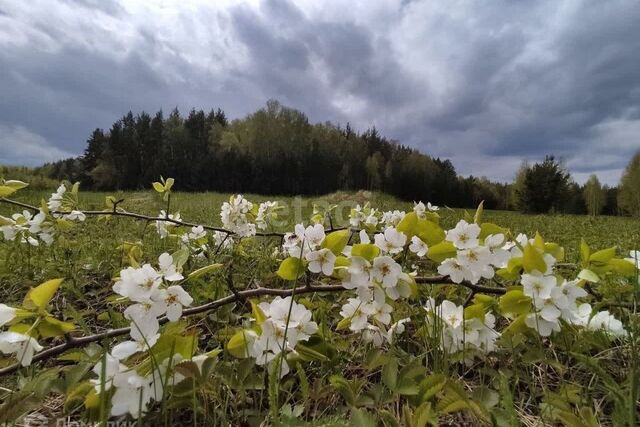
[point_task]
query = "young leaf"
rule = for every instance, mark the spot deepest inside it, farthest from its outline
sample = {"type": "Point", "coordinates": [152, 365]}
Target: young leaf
{"type": "Point", "coordinates": [603, 256]}
{"type": "Point", "coordinates": [40, 296]}
{"type": "Point", "coordinates": [408, 225]}
{"type": "Point", "coordinates": [478, 216]}
{"type": "Point", "coordinates": [238, 344]}
{"type": "Point", "coordinates": [291, 268]}
{"type": "Point", "coordinates": [533, 260]}
{"type": "Point", "coordinates": [442, 251]}
{"type": "Point", "coordinates": [367, 251]}
{"type": "Point", "coordinates": [588, 275]}
{"type": "Point", "coordinates": [515, 302]}
{"type": "Point", "coordinates": [204, 270]}
{"type": "Point", "coordinates": [158, 187]}
{"type": "Point", "coordinates": [336, 241]}
{"type": "Point", "coordinates": [585, 253]}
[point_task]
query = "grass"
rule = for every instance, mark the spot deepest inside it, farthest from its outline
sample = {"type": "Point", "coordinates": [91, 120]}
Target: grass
{"type": "Point", "coordinates": [88, 258]}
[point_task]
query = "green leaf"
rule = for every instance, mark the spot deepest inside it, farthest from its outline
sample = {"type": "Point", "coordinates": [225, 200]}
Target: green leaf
{"type": "Point", "coordinates": [485, 301]}
{"type": "Point", "coordinates": [407, 225]}
{"type": "Point", "coordinates": [158, 187]}
{"type": "Point", "coordinates": [390, 374]}
{"type": "Point", "coordinates": [555, 250]}
{"type": "Point", "coordinates": [429, 232]}
{"type": "Point", "coordinates": [533, 260]}
{"type": "Point", "coordinates": [52, 327]}
{"type": "Point", "coordinates": [585, 253]}
{"type": "Point", "coordinates": [478, 216]}
{"type": "Point", "coordinates": [442, 251]}
{"type": "Point", "coordinates": [367, 251]}
{"type": "Point", "coordinates": [336, 241]}
{"type": "Point", "coordinates": [474, 311]}
{"type": "Point", "coordinates": [180, 257]}
{"type": "Point", "coordinates": [622, 266]}
{"type": "Point", "coordinates": [309, 354]}
{"type": "Point", "coordinates": [77, 395]}
{"type": "Point", "coordinates": [237, 345]}
{"type": "Point", "coordinates": [515, 302]}
{"type": "Point", "coordinates": [603, 256]}
{"type": "Point", "coordinates": [15, 184]}
{"type": "Point", "coordinates": [343, 324]}
{"type": "Point", "coordinates": [257, 312]}
{"type": "Point", "coordinates": [168, 184]}
{"type": "Point", "coordinates": [455, 399]}
{"type": "Point", "coordinates": [344, 388]}
{"type": "Point", "coordinates": [431, 385]}
{"type": "Point", "coordinates": [488, 228]}
{"type": "Point", "coordinates": [291, 268]}
{"type": "Point", "coordinates": [40, 296]}
{"type": "Point", "coordinates": [588, 275]}
{"type": "Point", "coordinates": [361, 418]}
{"type": "Point", "coordinates": [204, 270]}
{"type": "Point", "coordinates": [5, 190]}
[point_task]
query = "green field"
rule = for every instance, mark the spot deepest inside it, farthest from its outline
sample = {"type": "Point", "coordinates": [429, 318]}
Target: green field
{"type": "Point", "coordinates": [87, 256]}
{"type": "Point", "coordinates": [204, 208]}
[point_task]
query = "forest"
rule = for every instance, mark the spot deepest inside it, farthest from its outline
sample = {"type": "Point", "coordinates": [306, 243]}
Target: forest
{"type": "Point", "coordinates": [277, 151]}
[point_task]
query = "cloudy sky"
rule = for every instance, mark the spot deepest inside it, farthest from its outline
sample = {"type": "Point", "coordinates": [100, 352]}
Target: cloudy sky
{"type": "Point", "coordinates": [485, 84]}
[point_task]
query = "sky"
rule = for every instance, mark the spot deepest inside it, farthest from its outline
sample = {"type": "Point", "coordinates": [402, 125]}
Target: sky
{"type": "Point", "coordinates": [484, 84]}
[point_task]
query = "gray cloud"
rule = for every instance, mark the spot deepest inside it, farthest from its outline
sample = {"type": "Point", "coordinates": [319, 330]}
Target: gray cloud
{"type": "Point", "coordinates": [484, 84]}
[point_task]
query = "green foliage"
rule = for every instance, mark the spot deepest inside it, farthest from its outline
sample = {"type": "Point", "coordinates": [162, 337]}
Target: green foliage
{"type": "Point", "coordinates": [628, 194]}
{"type": "Point", "coordinates": [594, 195]}
{"type": "Point", "coordinates": [291, 268]}
{"type": "Point", "coordinates": [544, 187]}
{"type": "Point", "coordinates": [336, 378]}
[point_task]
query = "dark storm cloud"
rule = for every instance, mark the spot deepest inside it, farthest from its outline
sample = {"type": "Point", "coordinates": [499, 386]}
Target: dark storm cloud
{"type": "Point", "coordinates": [485, 84]}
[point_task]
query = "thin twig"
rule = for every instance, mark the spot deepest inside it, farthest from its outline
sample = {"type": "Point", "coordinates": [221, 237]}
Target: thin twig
{"type": "Point", "coordinates": [75, 342]}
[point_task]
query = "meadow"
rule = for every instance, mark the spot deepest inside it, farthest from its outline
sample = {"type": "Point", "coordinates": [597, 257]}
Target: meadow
{"type": "Point", "coordinates": [339, 376]}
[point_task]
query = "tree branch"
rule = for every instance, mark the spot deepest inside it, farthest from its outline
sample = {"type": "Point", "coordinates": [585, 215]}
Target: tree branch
{"type": "Point", "coordinates": [75, 342]}
{"type": "Point", "coordinates": [127, 214]}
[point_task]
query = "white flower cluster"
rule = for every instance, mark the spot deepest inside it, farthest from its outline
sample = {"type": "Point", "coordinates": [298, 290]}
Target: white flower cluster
{"type": "Point", "coordinates": [235, 216]}
{"type": "Point", "coordinates": [306, 243]}
{"type": "Point", "coordinates": [28, 228]}
{"type": "Point", "coordinates": [363, 215]}
{"type": "Point", "coordinates": [266, 214]}
{"type": "Point", "coordinates": [195, 240]}
{"type": "Point", "coordinates": [473, 261]}
{"type": "Point", "coordinates": [165, 228]}
{"type": "Point", "coordinates": [554, 301]}
{"type": "Point", "coordinates": [375, 283]}
{"type": "Point", "coordinates": [133, 392]}
{"type": "Point", "coordinates": [392, 218]}
{"type": "Point", "coordinates": [286, 324]}
{"type": "Point", "coordinates": [55, 204]}
{"type": "Point", "coordinates": [33, 229]}
{"type": "Point", "coordinates": [447, 322]}
{"type": "Point", "coordinates": [152, 297]}
{"type": "Point", "coordinates": [421, 210]}
{"type": "Point", "coordinates": [22, 345]}
{"type": "Point", "coordinates": [551, 301]}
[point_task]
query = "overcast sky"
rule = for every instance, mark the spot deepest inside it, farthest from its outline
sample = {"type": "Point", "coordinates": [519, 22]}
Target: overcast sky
{"type": "Point", "coordinates": [483, 83]}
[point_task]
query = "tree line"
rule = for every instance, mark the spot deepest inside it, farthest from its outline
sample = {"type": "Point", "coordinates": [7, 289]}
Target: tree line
{"type": "Point", "coordinates": [277, 151]}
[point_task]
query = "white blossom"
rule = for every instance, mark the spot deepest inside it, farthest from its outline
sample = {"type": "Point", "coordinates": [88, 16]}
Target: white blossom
{"type": "Point", "coordinates": [391, 241]}
{"type": "Point", "coordinates": [464, 235]}
{"type": "Point", "coordinates": [322, 260]}
{"type": "Point", "coordinates": [23, 346]}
